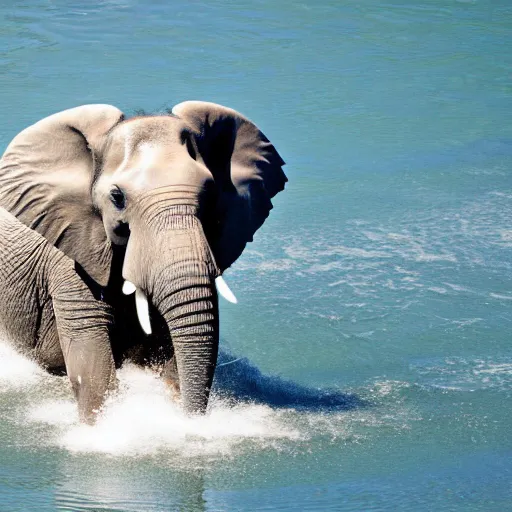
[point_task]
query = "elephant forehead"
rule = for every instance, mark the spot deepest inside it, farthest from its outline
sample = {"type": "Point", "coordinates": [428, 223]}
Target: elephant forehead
{"type": "Point", "coordinates": [146, 140]}
{"type": "Point", "coordinates": [164, 130]}
{"type": "Point", "coordinates": [146, 153]}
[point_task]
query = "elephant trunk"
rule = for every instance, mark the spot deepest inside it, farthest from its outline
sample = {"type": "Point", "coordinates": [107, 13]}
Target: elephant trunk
{"type": "Point", "coordinates": [180, 282]}
{"type": "Point", "coordinates": [191, 313]}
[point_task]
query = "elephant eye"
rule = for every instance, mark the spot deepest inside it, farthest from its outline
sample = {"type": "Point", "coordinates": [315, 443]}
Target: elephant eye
{"type": "Point", "coordinates": [118, 198]}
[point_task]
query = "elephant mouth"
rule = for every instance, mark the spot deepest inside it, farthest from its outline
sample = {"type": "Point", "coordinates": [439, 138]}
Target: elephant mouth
{"type": "Point", "coordinates": [142, 304]}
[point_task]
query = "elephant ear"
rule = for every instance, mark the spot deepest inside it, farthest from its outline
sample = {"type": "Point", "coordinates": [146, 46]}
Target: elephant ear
{"type": "Point", "coordinates": [246, 168]}
{"type": "Point", "coordinates": [46, 175]}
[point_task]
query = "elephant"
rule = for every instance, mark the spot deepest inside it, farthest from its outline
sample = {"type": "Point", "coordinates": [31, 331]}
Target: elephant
{"type": "Point", "coordinates": [47, 311]}
{"type": "Point", "coordinates": [157, 206]}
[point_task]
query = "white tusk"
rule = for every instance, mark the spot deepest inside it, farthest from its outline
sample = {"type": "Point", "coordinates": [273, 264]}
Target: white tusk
{"type": "Point", "coordinates": [141, 303]}
{"type": "Point", "coordinates": [128, 288]}
{"type": "Point", "coordinates": [224, 290]}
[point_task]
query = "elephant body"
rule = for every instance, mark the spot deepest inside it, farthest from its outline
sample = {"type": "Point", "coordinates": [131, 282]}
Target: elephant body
{"type": "Point", "coordinates": [157, 206]}
{"type": "Point", "coordinates": [49, 313]}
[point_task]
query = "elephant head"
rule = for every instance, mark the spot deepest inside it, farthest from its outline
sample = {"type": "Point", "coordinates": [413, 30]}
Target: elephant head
{"type": "Point", "coordinates": [178, 195]}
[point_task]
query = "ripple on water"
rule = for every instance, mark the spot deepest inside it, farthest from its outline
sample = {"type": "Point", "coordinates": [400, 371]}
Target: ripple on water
{"type": "Point", "coordinates": [465, 374]}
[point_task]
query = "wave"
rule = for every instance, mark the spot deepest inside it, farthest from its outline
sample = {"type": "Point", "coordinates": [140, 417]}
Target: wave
{"type": "Point", "coordinates": [239, 379]}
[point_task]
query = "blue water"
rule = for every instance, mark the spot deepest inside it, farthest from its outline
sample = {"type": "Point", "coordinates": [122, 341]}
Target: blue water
{"type": "Point", "coordinates": [368, 365]}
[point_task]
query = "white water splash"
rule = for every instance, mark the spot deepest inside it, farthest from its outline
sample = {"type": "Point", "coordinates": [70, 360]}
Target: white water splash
{"type": "Point", "coordinates": [17, 371]}
{"type": "Point", "coordinates": [143, 419]}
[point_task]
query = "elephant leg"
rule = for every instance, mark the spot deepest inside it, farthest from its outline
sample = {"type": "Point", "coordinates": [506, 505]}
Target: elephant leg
{"type": "Point", "coordinates": [84, 340]}
{"type": "Point", "coordinates": [90, 368]}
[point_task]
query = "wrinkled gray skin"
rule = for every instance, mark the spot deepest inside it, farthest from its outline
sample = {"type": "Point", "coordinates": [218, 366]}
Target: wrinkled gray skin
{"type": "Point", "coordinates": [166, 202]}
{"type": "Point", "coordinates": [48, 312]}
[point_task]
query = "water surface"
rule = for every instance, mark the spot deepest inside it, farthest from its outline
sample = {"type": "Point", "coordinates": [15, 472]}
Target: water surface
{"type": "Point", "coordinates": [368, 365]}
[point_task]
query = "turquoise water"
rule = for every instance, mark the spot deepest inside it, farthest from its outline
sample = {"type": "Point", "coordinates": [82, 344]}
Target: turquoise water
{"type": "Point", "coordinates": [369, 361]}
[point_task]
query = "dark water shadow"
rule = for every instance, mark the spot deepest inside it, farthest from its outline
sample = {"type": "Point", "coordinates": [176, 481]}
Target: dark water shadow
{"type": "Point", "coordinates": [237, 378]}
